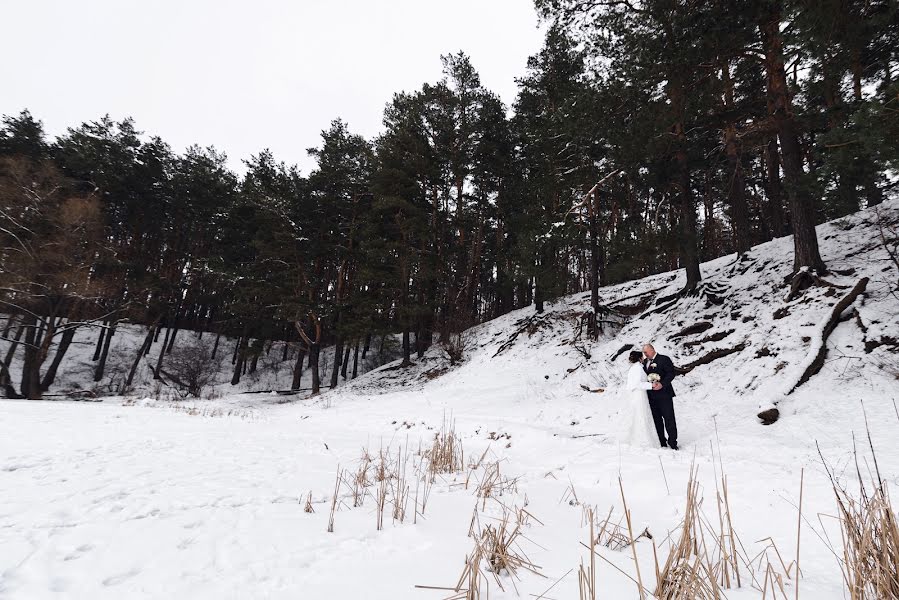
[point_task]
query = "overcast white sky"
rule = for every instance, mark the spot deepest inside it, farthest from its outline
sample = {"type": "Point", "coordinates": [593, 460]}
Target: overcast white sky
{"type": "Point", "coordinates": [245, 75]}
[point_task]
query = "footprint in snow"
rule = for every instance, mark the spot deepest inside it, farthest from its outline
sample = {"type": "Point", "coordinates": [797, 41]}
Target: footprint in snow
{"type": "Point", "coordinates": [186, 543]}
{"type": "Point", "coordinates": [121, 577]}
{"type": "Point", "coordinates": [79, 552]}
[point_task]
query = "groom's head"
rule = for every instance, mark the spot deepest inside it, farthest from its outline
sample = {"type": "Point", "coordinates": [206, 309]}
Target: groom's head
{"type": "Point", "coordinates": [649, 351]}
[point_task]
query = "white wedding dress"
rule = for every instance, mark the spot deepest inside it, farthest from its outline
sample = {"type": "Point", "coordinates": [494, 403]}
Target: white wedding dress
{"type": "Point", "coordinates": [637, 426]}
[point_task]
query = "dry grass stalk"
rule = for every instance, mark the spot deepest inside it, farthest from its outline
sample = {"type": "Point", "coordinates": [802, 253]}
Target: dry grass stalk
{"type": "Point", "coordinates": [446, 454]}
{"type": "Point", "coordinates": [570, 495]}
{"type": "Point", "coordinates": [689, 572]}
{"type": "Point", "coordinates": [870, 533]}
{"type": "Point", "coordinates": [399, 488]}
{"type": "Point", "coordinates": [587, 575]}
{"type": "Point", "coordinates": [870, 543]}
{"type": "Point", "coordinates": [308, 506]}
{"type": "Point", "coordinates": [496, 555]}
{"type": "Point", "coordinates": [494, 484]}
{"type": "Point", "coordinates": [360, 479]}
{"type": "Point", "coordinates": [612, 535]}
{"type": "Point", "coordinates": [427, 483]}
{"type": "Point", "coordinates": [630, 531]}
{"type": "Point", "coordinates": [334, 500]}
{"type": "Point", "coordinates": [728, 555]}
{"type": "Point", "coordinates": [799, 529]}
{"type": "Point", "coordinates": [772, 575]}
{"type": "Point", "coordinates": [380, 504]}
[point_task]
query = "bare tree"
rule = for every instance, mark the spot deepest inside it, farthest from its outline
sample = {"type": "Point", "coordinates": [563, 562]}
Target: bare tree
{"type": "Point", "coordinates": [49, 239]}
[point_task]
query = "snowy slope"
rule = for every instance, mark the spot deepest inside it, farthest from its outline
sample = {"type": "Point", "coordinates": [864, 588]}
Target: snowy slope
{"type": "Point", "coordinates": [207, 499]}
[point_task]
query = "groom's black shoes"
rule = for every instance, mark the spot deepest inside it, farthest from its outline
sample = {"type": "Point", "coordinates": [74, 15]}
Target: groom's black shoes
{"type": "Point", "coordinates": [664, 444]}
{"type": "Point", "coordinates": [673, 446]}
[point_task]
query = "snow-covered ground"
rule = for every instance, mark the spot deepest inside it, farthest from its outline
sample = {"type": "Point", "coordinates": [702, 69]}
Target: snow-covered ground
{"type": "Point", "coordinates": [207, 499]}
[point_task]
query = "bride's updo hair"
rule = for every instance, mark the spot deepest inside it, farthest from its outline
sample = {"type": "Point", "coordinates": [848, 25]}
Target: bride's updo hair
{"type": "Point", "coordinates": [635, 356]}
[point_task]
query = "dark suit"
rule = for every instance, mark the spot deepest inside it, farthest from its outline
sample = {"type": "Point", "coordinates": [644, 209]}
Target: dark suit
{"type": "Point", "coordinates": [661, 402]}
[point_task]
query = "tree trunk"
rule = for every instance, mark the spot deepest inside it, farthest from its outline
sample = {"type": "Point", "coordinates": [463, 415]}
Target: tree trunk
{"type": "Point", "coordinates": [257, 350]}
{"type": "Point", "coordinates": [101, 365]}
{"type": "Point", "coordinates": [99, 347]}
{"type": "Point", "coordinates": [356, 360]}
{"type": "Point", "coordinates": [148, 341]}
{"type": "Point", "coordinates": [61, 349]}
{"type": "Point", "coordinates": [689, 254]}
{"type": "Point", "coordinates": [346, 361]}
{"type": "Point", "coordinates": [5, 377]}
{"type": "Point", "coordinates": [157, 374]}
{"type": "Point", "coordinates": [31, 385]}
{"type": "Point", "coordinates": [314, 353]}
{"type": "Point", "coordinates": [774, 189]}
{"type": "Point", "coordinates": [215, 345]}
{"type": "Point", "coordinates": [593, 226]}
{"type": "Point", "coordinates": [736, 188]}
{"type": "Point", "coordinates": [236, 351]}
{"type": "Point", "coordinates": [335, 368]}
{"type": "Point", "coordinates": [240, 364]}
{"type": "Point", "coordinates": [171, 344]}
{"type": "Point", "coordinates": [805, 240]}
{"type": "Point", "coordinates": [298, 370]}
{"type": "Point", "coordinates": [407, 349]}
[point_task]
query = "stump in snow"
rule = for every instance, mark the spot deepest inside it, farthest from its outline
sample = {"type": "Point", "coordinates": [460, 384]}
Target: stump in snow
{"type": "Point", "coordinates": [769, 416]}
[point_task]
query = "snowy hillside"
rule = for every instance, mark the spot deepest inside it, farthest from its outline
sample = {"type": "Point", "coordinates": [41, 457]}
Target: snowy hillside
{"type": "Point", "coordinates": [234, 497]}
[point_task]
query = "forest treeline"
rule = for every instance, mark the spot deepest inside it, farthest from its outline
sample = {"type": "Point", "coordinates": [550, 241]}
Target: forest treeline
{"type": "Point", "coordinates": [646, 136]}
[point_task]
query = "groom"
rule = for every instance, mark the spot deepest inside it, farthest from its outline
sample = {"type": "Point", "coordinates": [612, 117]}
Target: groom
{"type": "Point", "coordinates": [661, 396]}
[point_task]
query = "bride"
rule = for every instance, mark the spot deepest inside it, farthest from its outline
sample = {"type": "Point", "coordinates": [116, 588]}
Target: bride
{"type": "Point", "coordinates": [637, 425]}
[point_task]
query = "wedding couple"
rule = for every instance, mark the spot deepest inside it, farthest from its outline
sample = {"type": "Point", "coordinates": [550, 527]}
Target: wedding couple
{"type": "Point", "coordinates": [650, 399]}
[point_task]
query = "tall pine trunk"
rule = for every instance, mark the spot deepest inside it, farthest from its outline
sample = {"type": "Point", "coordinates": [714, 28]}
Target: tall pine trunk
{"type": "Point", "coordinates": [805, 240]}
{"type": "Point", "coordinates": [774, 189]}
{"type": "Point", "coordinates": [689, 253]}
{"type": "Point", "coordinates": [736, 187]}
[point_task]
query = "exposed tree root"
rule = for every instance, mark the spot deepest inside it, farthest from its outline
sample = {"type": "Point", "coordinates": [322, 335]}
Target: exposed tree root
{"type": "Point", "coordinates": [831, 324]}
{"type": "Point", "coordinates": [621, 351]}
{"type": "Point", "coordinates": [805, 279]}
{"type": "Point", "coordinates": [711, 356]}
{"type": "Point", "coordinates": [715, 337]}
{"type": "Point", "coordinates": [693, 329]}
